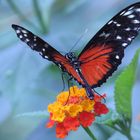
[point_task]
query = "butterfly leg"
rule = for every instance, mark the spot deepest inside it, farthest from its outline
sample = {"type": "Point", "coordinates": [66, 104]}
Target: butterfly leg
{"type": "Point", "coordinates": [62, 76]}
{"type": "Point", "coordinates": [89, 91]}
{"type": "Point", "coordinates": [69, 89]}
{"type": "Point", "coordinates": [69, 85]}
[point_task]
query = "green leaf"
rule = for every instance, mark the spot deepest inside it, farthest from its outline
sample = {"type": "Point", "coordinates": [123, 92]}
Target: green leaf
{"type": "Point", "coordinates": [39, 15]}
{"type": "Point", "coordinates": [123, 88]}
{"type": "Point", "coordinates": [40, 114]}
{"type": "Point", "coordinates": [19, 13]}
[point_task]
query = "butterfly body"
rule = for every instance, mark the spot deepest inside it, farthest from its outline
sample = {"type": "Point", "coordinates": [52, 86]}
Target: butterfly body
{"type": "Point", "coordinates": [76, 64]}
{"type": "Point", "coordinates": [73, 59]}
{"type": "Point", "coordinates": [100, 57]}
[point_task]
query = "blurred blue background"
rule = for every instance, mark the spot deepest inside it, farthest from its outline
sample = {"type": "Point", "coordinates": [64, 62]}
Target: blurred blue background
{"type": "Point", "coordinates": [29, 83]}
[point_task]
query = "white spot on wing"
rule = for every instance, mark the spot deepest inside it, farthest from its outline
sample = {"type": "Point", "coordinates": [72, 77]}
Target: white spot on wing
{"type": "Point", "coordinates": [131, 16]}
{"type": "Point", "coordinates": [46, 56]}
{"type": "Point", "coordinates": [25, 35]}
{"type": "Point", "coordinates": [128, 29]}
{"type": "Point", "coordinates": [136, 28]}
{"type": "Point", "coordinates": [17, 31]}
{"type": "Point", "coordinates": [43, 50]}
{"type": "Point", "coordinates": [114, 22]}
{"type": "Point", "coordinates": [129, 39]}
{"type": "Point", "coordinates": [117, 57]}
{"type": "Point", "coordinates": [118, 25]}
{"type": "Point", "coordinates": [118, 37]}
{"type": "Point", "coordinates": [138, 9]}
{"type": "Point", "coordinates": [34, 38]}
{"type": "Point", "coordinates": [124, 44]}
{"type": "Point", "coordinates": [27, 40]}
{"type": "Point", "coordinates": [110, 22]}
{"type": "Point", "coordinates": [131, 8]}
{"type": "Point", "coordinates": [132, 36]}
{"type": "Point", "coordinates": [104, 34]}
{"type": "Point", "coordinates": [77, 70]}
{"type": "Point", "coordinates": [136, 21]}
{"type": "Point", "coordinates": [128, 13]}
{"type": "Point", "coordinates": [59, 65]}
{"type": "Point", "coordinates": [20, 36]}
{"type": "Point", "coordinates": [122, 13]}
{"type": "Point", "coordinates": [107, 35]}
{"type": "Point", "coordinates": [24, 31]}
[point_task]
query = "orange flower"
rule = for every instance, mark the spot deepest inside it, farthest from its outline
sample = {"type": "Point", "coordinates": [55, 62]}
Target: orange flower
{"type": "Point", "coordinates": [73, 109]}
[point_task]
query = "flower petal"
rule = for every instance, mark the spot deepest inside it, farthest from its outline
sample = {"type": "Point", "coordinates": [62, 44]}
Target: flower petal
{"type": "Point", "coordinates": [86, 118]}
{"type": "Point", "coordinates": [61, 132]}
{"type": "Point", "coordinates": [100, 108]}
{"type": "Point", "coordinates": [50, 124]}
{"type": "Point", "coordinates": [71, 123]}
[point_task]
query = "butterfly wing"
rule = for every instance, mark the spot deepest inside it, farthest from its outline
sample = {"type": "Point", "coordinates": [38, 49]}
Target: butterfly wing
{"type": "Point", "coordinates": [45, 50]}
{"type": "Point", "coordinates": [104, 52]}
{"type": "Point", "coordinates": [37, 44]}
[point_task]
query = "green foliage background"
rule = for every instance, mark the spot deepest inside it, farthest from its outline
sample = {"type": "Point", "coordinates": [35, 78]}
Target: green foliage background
{"type": "Point", "coordinates": [29, 83]}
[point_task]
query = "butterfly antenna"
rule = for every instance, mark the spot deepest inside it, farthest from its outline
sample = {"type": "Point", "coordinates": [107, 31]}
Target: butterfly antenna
{"type": "Point", "coordinates": [86, 30]}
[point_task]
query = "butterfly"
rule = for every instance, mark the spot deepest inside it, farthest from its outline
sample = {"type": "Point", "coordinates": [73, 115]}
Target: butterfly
{"type": "Point", "coordinates": [100, 57]}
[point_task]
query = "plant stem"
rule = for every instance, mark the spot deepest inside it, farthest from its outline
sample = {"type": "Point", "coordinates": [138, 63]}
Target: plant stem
{"type": "Point", "coordinates": [40, 16]}
{"type": "Point", "coordinates": [129, 136]}
{"type": "Point", "coordinates": [123, 131]}
{"type": "Point", "coordinates": [89, 133]}
{"type": "Point", "coordinates": [19, 13]}
{"type": "Point", "coordinates": [127, 133]}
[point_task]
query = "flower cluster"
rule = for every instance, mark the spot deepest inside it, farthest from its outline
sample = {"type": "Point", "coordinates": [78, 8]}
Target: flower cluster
{"type": "Point", "coordinates": [70, 111]}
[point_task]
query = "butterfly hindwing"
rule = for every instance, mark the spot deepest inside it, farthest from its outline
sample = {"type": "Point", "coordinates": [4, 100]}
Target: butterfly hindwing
{"type": "Point", "coordinates": [104, 52]}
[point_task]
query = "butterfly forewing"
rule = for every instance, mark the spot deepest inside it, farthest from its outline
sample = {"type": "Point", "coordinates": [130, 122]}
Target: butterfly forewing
{"type": "Point", "coordinates": [104, 52]}
{"type": "Point", "coordinates": [45, 50]}
{"type": "Point", "coordinates": [36, 43]}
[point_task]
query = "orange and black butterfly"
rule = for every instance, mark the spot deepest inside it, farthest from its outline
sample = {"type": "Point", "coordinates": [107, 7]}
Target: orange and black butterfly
{"type": "Point", "coordinates": [100, 57]}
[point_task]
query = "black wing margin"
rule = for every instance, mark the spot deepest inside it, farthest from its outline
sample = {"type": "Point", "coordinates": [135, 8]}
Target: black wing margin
{"type": "Point", "coordinates": [118, 33]}
{"type": "Point", "coordinates": [122, 28]}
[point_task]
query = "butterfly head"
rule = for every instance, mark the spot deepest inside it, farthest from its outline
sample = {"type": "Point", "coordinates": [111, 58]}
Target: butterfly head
{"type": "Point", "coordinates": [71, 56]}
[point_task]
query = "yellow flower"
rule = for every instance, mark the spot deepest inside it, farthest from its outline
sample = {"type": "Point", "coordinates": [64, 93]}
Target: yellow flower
{"type": "Point", "coordinates": [73, 109]}
{"type": "Point", "coordinates": [70, 103]}
{"type": "Point", "coordinates": [87, 105]}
